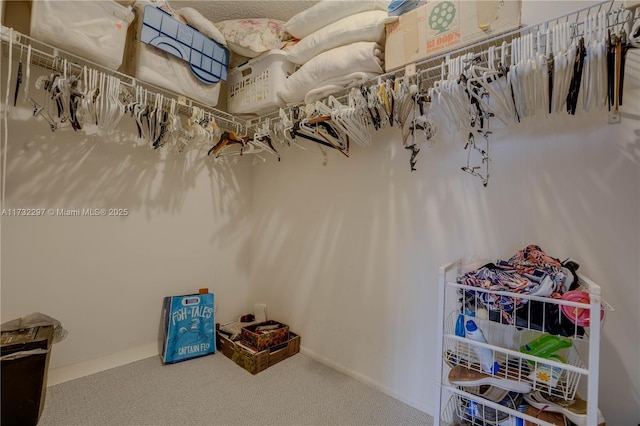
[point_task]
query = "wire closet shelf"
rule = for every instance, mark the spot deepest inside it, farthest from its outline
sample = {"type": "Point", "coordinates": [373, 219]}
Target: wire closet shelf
{"type": "Point", "coordinates": [424, 73]}
{"type": "Point", "coordinates": [51, 58]}
{"type": "Point", "coordinates": [427, 71]}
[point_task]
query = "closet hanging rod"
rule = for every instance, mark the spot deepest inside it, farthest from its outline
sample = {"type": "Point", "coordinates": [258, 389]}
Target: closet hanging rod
{"type": "Point", "coordinates": [49, 57]}
{"type": "Point", "coordinates": [44, 55]}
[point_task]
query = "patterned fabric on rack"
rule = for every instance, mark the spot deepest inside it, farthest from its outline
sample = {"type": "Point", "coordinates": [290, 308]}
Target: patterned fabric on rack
{"type": "Point", "coordinates": [530, 271]}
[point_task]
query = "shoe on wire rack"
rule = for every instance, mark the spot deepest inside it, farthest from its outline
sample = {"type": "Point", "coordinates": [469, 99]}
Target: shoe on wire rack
{"type": "Point", "coordinates": [492, 393]}
{"type": "Point", "coordinates": [555, 419]}
{"type": "Point", "coordinates": [478, 413]}
{"type": "Point", "coordinates": [575, 410]}
{"type": "Point", "coordinates": [462, 376]}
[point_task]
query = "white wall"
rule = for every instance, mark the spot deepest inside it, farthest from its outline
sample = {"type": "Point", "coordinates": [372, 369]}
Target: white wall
{"type": "Point", "coordinates": [104, 278]}
{"type": "Point", "coordinates": [348, 253]}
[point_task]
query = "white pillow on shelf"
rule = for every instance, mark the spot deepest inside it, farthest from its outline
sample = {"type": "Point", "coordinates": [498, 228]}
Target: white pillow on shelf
{"type": "Point", "coordinates": [252, 37]}
{"type": "Point", "coordinates": [366, 57]}
{"type": "Point", "coordinates": [327, 12]}
{"type": "Point", "coordinates": [364, 26]}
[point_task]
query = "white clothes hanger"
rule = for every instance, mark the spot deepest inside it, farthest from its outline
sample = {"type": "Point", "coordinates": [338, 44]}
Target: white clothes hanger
{"type": "Point", "coordinates": [530, 68]}
{"type": "Point", "coordinates": [512, 77]}
{"type": "Point", "coordinates": [586, 85]}
{"type": "Point", "coordinates": [560, 67]}
{"type": "Point", "coordinates": [541, 79]}
{"type": "Point", "coordinates": [262, 138]}
{"type": "Point", "coordinates": [352, 119]}
{"type": "Point", "coordinates": [27, 79]}
{"type": "Point", "coordinates": [453, 95]}
{"type": "Point", "coordinates": [488, 79]}
{"type": "Point", "coordinates": [287, 125]}
{"type": "Point", "coordinates": [601, 67]}
{"type": "Point", "coordinates": [6, 119]}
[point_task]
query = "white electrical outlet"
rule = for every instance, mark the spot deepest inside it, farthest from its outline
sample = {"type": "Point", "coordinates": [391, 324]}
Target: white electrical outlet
{"type": "Point", "coordinates": [410, 70]}
{"type": "Point", "coordinates": [614, 117]}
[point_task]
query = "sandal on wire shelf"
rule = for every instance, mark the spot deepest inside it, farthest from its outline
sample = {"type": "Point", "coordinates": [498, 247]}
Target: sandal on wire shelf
{"type": "Point", "coordinates": [574, 410]}
{"type": "Point", "coordinates": [555, 419]}
{"type": "Point", "coordinates": [462, 376]}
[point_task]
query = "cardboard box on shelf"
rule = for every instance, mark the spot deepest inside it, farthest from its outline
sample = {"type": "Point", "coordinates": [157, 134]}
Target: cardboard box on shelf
{"type": "Point", "coordinates": [264, 335]}
{"type": "Point", "coordinates": [24, 366]}
{"type": "Point", "coordinates": [439, 26]}
{"type": "Point", "coordinates": [254, 361]}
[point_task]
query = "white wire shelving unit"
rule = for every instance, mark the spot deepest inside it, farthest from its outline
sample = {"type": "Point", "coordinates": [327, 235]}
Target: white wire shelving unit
{"type": "Point", "coordinates": [504, 340]}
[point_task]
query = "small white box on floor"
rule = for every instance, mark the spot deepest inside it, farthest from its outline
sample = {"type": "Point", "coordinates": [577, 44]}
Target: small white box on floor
{"type": "Point", "coordinates": [94, 30]}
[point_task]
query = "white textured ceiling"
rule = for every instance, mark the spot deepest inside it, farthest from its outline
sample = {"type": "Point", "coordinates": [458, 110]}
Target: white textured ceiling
{"type": "Point", "coordinates": [218, 10]}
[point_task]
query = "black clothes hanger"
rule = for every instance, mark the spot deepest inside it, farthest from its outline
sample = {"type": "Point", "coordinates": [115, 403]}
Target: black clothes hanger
{"type": "Point", "coordinates": [611, 61]}
{"type": "Point", "coordinates": [625, 45]}
{"type": "Point", "coordinates": [266, 140]}
{"type": "Point", "coordinates": [18, 79]}
{"type": "Point", "coordinates": [550, 71]}
{"type": "Point", "coordinates": [574, 86]}
{"type": "Point", "coordinates": [375, 118]}
{"type": "Point", "coordinates": [414, 152]}
{"type": "Point", "coordinates": [320, 131]}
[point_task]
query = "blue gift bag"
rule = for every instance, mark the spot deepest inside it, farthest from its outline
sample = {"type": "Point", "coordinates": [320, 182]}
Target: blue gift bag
{"type": "Point", "coordinates": [189, 327]}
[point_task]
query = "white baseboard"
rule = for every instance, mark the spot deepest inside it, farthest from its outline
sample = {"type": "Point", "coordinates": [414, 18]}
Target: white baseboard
{"type": "Point", "coordinates": [75, 371]}
{"type": "Point", "coordinates": [418, 405]}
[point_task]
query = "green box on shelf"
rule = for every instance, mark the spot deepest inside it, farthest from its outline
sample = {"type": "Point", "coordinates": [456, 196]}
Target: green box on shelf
{"type": "Point", "coordinates": [264, 335]}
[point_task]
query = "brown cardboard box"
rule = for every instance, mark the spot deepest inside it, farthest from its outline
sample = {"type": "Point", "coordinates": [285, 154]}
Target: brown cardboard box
{"type": "Point", "coordinates": [24, 367]}
{"type": "Point", "coordinates": [443, 25]}
{"type": "Point", "coordinates": [259, 341]}
{"type": "Point", "coordinates": [253, 361]}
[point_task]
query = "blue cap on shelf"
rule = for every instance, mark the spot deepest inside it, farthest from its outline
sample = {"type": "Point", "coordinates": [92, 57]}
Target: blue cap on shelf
{"type": "Point", "coordinates": [400, 7]}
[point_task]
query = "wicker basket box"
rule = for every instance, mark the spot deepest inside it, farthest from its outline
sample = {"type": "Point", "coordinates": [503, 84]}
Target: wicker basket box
{"type": "Point", "coordinates": [255, 362]}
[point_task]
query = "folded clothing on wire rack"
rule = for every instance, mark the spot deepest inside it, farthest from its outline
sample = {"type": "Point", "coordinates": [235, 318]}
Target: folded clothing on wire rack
{"type": "Point", "coordinates": [530, 271]}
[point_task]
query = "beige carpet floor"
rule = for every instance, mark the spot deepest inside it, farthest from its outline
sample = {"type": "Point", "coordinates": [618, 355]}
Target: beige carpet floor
{"type": "Point", "coordinates": [212, 390]}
